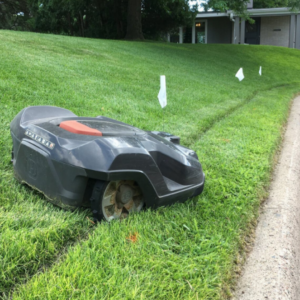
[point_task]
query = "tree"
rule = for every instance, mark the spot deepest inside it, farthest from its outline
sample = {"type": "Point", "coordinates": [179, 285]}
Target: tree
{"type": "Point", "coordinates": [134, 20]}
{"type": "Point", "coordinates": [11, 11]}
{"type": "Point", "coordinates": [114, 19]}
{"type": "Point", "coordinates": [153, 17]}
{"type": "Point", "coordinates": [86, 18]}
{"type": "Point", "coordinates": [294, 4]}
{"type": "Point", "coordinates": [161, 16]}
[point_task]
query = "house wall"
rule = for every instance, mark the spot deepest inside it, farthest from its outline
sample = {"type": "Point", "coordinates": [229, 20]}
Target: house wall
{"type": "Point", "coordinates": [275, 38]}
{"type": "Point", "coordinates": [219, 30]}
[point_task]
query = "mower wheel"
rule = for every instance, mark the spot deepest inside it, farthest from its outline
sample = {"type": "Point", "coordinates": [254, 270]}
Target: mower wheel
{"type": "Point", "coordinates": [115, 199]}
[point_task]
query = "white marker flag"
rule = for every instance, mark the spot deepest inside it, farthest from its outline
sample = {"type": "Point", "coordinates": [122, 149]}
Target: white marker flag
{"type": "Point", "coordinates": [162, 95]}
{"type": "Point", "coordinates": [259, 72]}
{"type": "Point", "coordinates": [240, 74]}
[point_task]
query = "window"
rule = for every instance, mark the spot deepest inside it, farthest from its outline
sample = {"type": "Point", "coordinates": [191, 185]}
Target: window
{"type": "Point", "coordinates": [200, 32]}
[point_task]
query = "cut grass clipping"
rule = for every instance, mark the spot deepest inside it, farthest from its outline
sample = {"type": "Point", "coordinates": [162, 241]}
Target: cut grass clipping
{"type": "Point", "coordinates": [186, 251]}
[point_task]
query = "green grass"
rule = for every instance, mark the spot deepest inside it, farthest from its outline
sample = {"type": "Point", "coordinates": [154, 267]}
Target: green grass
{"type": "Point", "coordinates": [186, 251]}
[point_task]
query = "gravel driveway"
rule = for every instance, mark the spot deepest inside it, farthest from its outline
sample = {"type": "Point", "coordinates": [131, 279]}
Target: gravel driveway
{"type": "Point", "coordinates": [272, 270]}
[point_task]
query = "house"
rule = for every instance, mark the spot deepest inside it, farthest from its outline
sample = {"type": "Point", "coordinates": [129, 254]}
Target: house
{"type": "Point", "coordinates": [273, 26]}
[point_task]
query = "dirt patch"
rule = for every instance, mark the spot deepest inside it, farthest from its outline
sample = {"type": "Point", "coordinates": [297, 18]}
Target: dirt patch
{"type": "Point", "coordinates": [272, 270]}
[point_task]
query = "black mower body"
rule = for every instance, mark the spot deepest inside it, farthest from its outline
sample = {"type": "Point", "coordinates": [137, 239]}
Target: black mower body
{"type": "Point", "coordinates": [63, 165]}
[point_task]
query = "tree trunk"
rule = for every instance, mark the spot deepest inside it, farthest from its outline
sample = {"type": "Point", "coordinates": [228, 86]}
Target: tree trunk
{"type": "Point", "coordinates": [70, 30]}
{"type": "Point", "coordinates": [81, 23]}
{"type": "Point", "coordinates": [118, 18]}
{"type": "Point", "coordinates": [134, 21]}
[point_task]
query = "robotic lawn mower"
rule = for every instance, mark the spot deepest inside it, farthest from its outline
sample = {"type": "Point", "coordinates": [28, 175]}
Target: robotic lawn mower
{"type": "Point", "coordinates": [109, 166]}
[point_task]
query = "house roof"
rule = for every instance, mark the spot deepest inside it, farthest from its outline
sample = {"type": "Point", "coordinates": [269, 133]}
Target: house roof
{"type": "Point", "coordinates": [253, 12]}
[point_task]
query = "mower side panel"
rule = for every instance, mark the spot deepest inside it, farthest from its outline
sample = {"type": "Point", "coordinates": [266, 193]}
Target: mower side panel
{"type": "Point", "coordinates": [63, 185]}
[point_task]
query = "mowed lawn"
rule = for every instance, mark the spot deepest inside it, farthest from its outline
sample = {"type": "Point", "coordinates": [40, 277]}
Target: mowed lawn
{"type": "Point", "coordinates": [185, 251]}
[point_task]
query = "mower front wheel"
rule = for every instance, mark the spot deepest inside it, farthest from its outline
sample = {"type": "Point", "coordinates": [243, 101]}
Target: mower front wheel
{"type": "Point", "coordinates": [115, 199]}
